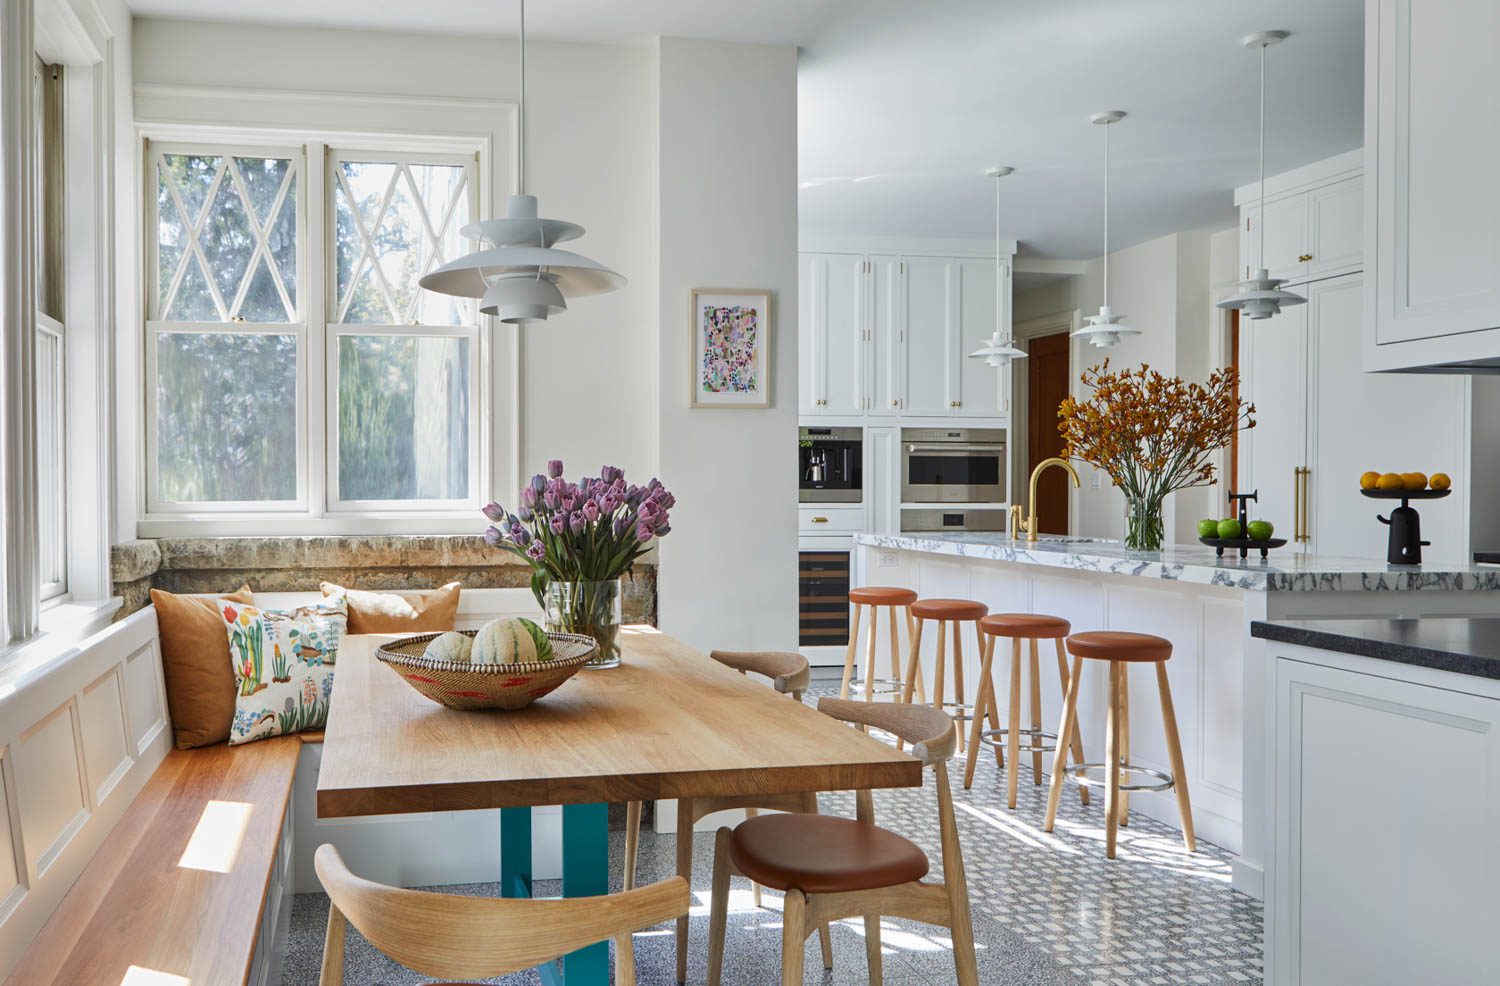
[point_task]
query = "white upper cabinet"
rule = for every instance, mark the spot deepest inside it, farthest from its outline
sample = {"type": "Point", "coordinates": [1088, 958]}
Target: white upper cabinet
{"type": "Point", "coordinates": [1273, 454]}
{"type": "Point", "coordinates": [1313, 224]}
{"type": "Point", "coordinates": [889, 335]}
{"type": "Point", "coordinates": [832, 331]}
{"type": "Point", "coordinates": [1432, 137]}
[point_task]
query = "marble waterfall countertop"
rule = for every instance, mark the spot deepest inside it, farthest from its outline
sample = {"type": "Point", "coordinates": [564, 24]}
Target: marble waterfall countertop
{"type": "Point", "coordinates": [1284, 571]}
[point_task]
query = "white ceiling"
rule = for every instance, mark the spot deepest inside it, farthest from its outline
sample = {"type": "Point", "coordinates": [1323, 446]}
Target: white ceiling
{"type": "Point", "coordinates": [903, 104]}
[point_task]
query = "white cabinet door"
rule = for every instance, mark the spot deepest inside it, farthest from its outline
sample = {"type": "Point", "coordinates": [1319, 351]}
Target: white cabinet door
{"type": "Point", "coordinates": [1380, 421]}
{"type": "Point", "coordinates": [1336, 228]}
{"type": "Point", "coordinates": [1433, 135]}
{"type": "Point", "coordinates": [979, 393]}
{"type": "Point", "coordinates": [886, 332]}
{"type": "Point", "coordinates": [883, 479]}
{"type": "Point", "coordinates": [1387, 800]}
{"type": "Point", "coordinates": [1285, 230]}
{"type": "Point", "coordinates": [833, 290]}
{"type": "Point", "coordinates": [1273, 353]}
{"type": "Point", "coordinates": [931, 322]}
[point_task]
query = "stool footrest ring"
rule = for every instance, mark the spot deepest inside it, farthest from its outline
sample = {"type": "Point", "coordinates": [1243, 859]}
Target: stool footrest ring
{"type": "Point", "coordinates": [961, 711]}
{"type": "Point", "coordinates": [1078, 774]}
{"type": "Point", "coordinates": [882, 686]}
{"type": "Point", "coordinates": [996, 737]}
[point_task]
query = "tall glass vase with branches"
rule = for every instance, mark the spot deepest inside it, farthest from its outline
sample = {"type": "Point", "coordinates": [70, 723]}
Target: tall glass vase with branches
{"type": "Point", "coordinates": [1153, 435]}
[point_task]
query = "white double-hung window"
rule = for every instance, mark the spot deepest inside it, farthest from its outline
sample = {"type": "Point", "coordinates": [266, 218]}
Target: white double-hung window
{"type": "Point", "coordinates": [294, 366]}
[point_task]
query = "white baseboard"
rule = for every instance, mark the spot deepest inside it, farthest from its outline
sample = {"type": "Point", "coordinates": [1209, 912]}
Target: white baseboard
{"type": "Point", "coordinates": [1248, 877]}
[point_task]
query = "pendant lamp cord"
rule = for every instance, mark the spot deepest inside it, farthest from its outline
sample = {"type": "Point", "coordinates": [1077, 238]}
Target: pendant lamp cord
{"type": "Point", "coordinates": [1262, 264]}
{"type": "Point", "coordinates": [1106, 214]}
{"type": "Point", "coordinates": [521, 111]}
{"type": "Point", "coordinates": [998, 319]}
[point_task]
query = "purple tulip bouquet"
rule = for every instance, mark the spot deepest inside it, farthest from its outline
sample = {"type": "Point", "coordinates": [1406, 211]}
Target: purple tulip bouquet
{"type": "Point", "coordinates": [580, 538]}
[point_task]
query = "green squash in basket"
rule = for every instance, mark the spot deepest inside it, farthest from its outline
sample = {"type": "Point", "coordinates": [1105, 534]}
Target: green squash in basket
{"type": "Point", "coordinates": [514, 640]}
{"type": "Point", "coordinates": [451, 646]}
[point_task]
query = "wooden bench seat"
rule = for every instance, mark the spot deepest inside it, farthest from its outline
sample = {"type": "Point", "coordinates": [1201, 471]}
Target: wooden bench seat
{"type": "Point", "coordinates": [182, 884]}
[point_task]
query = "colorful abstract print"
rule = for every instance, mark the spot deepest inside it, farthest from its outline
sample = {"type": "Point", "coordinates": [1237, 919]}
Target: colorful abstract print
{"type": "Point", "coordinates": [283, 666]}
{"type": "Point", "coordinates": [731, 341]}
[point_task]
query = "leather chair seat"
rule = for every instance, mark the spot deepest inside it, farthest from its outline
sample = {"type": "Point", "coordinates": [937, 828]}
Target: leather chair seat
{"type": "Point", "coordinates": [1119, 645]}
{"type": "Point", "coordinates": [878, 595]}
{"type": "Point", "coordinates": [949, 609]}
{"type": "Point", "coordinates": [1025, 626]}
{"type": "Point", "coordinates": [823, 854]}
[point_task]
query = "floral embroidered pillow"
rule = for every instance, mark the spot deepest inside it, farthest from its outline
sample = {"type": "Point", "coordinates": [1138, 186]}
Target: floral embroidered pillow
{"type": "Point", "coordinates": [283, 666]}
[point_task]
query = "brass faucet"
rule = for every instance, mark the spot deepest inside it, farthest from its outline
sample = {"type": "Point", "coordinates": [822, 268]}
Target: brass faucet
{"type": "Point", "coordinates": [1029, 526]}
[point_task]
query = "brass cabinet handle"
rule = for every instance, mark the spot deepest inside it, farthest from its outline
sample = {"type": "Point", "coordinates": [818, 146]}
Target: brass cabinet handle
{"type": "Point", "coordinates": [820, 520]}
{"type": "Point", "coordinates": [1300, 533]}
{"type": "Point", "coordinates": [1304, 258]}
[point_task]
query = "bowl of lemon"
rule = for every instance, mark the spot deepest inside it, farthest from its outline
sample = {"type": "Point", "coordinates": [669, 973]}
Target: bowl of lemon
{"type": "Point", "coordinates": [1405, 485]}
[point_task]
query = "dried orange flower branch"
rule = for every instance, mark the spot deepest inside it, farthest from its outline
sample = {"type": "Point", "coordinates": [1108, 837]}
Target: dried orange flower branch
{"type": "Point", "coordinates": [1153, 434]}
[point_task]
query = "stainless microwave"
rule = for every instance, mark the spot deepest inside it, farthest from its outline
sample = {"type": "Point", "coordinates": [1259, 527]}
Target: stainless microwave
{"type": "Point", "coordinates": [952, 465]}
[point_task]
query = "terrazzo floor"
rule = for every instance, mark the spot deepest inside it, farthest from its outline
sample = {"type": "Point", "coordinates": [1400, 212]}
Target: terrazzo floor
{"type": "Point", "coordinates": [1047, 908]}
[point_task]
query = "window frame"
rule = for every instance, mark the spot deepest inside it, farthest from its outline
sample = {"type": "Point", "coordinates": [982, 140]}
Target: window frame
{"type": "Point", "coordinates": [318, 338]}
{"type": "Point", "coordinates": [50, 176]}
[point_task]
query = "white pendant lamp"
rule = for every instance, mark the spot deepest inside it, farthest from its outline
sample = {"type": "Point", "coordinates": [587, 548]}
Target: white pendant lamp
{"type": "Point", "coordinates": [998, 351]}
{"type": "Point", "coordinates": [519, 275]}
{"type": "Point", "coordinates": [1261, 296]}
{"type": "Point", "coordinates": [1105, 329]}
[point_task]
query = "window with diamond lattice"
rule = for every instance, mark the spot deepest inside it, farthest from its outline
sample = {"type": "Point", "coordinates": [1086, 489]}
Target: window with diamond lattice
{"type": "Point", "coordinates": [297, 365]}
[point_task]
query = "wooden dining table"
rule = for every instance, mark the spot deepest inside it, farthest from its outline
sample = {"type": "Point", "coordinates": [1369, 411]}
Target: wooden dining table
{"type": "Point", "coordinates": [669, 722]}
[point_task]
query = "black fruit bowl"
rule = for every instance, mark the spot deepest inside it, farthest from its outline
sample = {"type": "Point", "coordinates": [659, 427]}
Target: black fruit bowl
{"type": "Point", "coordinates": [1243, 545]}
{"type": "Point", "coordinates": [1406, 494]}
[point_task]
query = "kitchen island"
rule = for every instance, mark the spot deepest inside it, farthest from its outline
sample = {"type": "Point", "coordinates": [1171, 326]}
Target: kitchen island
{"type": "Point", "coordinates": [1205, 606]}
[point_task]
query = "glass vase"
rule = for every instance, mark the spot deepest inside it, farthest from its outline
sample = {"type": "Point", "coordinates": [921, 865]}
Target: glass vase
{"type": "Point", "coordinates": [1144, 530]}
{"type": "Point", "coordinates": [590, 608]}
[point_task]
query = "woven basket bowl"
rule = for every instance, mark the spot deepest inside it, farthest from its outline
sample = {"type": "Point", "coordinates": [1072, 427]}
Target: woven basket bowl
{"type": "Point", "coordinates": [485, 686]}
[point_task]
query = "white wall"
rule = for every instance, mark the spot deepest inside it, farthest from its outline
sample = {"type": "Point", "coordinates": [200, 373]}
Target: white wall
{"type": "Point", "coordinates": [728, 218]}
{"type": "Point", "coordinates": [1165, 288]}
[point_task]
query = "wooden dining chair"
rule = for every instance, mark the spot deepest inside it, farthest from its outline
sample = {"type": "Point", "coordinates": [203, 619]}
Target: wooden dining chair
{"type": "Point", "coordinates": [454, 937]}
{"type": "Point", "coordinates": [833, 868]}
{"type": "Point", "coordinates": [790, 675]}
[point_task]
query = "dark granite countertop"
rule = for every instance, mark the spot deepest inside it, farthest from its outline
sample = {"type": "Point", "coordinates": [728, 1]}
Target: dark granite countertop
{"type": "Point", "coordinates": [1464, 645]}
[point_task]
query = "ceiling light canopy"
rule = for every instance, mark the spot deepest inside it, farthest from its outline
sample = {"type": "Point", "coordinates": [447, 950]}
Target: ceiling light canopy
{"type": "Point", "coordinates": [1260, 296]}
{"type": "Point", "coordinates": [998, 351]}
{"type": "Point", "coordinates": [1106, 328]}
{"type": "Point", "coordinates": [518, 274]}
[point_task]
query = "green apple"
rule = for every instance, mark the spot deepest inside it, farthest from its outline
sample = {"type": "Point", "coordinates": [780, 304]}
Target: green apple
{"type": "Point", "coordinates": [1229, 529]}
{"type": "Point", "coordinates": [1260, 530]}
{"type": "Point", "coordinates": [1208, 528]}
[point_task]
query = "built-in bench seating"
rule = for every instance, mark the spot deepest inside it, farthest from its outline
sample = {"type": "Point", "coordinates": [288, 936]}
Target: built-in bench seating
{"type": "Point", "coordinates": [192, 880]}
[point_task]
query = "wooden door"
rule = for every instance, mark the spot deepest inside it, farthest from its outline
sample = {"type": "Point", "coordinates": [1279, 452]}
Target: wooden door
{"type": "Point", "coordinates": [1047, 379]}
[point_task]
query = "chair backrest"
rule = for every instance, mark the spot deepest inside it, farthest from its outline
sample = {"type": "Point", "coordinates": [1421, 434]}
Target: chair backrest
{"type": "Point", "coordinates": [930, 731]}
{"type": "Point", "coordinates": [454, 937]}
{"type": "Point", "coordinates": [789, 672]}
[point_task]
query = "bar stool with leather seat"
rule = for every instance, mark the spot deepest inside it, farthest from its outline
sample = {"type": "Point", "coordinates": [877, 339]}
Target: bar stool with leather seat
{"type": "Point", "coordinates": [834, 868]}
{"type": "Point", "coordinates": [876, 597]}
{"type": "Point", "coordinates": [790, 675]}
{"type": "Point", "coordinates": [1031, 627]}
{"type": "Point", "coordinates": [949, 614]}
{"type": "Point", "coordinates": [1120, 649]}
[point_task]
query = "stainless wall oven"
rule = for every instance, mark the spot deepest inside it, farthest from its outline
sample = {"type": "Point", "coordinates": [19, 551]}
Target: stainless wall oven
{"type": "Point", "coordinates": [952, 465]}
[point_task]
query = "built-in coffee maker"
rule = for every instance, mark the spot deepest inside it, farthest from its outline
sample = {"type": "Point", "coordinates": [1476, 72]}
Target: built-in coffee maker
{"type": "Point", "coordinates": [830, 463]}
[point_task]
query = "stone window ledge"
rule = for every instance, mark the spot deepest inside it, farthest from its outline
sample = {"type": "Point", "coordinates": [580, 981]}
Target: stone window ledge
{"type": "Point", "coordinates": [294, 564]}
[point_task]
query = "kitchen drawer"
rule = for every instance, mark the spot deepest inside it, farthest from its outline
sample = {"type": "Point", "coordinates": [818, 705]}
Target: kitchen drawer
{"type": "Point", "coordinates": [824, 519]}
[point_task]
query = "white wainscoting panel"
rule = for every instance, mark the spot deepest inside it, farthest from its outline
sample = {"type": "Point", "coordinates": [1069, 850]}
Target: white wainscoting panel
{"type": "Point", "coordinates": [52, 787]}
{"type": "Point", "coordinates": [106, 750]}
{"type": "Point", "coordinates": [145, 696]}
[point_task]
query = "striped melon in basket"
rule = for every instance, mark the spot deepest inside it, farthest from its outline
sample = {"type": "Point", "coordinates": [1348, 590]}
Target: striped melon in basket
{"type": "Point", "coordinates": [470, 685]}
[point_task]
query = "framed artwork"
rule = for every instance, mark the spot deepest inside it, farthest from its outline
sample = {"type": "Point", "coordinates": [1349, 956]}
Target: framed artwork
{"type": "Point", "coordinates": [731, 348]}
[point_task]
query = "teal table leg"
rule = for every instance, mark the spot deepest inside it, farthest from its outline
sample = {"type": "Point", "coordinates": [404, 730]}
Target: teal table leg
{"type": "Point", "coordinates": [586, 874]}
{"type": "Point", "coordinates": [515, 852]}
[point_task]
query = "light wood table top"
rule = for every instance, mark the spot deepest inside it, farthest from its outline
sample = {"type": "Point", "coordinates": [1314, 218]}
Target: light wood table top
{"type": "Point", "coordinates": [668, 723]}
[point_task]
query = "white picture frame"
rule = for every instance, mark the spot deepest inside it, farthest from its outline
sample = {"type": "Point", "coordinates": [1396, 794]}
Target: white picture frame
{"type": "Point", "coordinates": [731, 348]}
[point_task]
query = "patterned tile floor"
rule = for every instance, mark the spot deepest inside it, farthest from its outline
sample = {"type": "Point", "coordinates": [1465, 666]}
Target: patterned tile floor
{"type": "Point", "coordinates": [1047, 908]}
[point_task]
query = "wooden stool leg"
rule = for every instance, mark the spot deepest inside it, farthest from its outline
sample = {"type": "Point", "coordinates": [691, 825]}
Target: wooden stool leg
{"type": "Point", "coordinates": [992, 701]}
{"type": "Point", "coordinates": [914, 663]}
{"type": "Point", "coordinates": [1174, 750]}
{"type": "Point", "coordinates": [718, 911]}
{"type": "Point", "coordinates": [632, 840]}
{"type": "Point", "coordinates": [754, 887]}
{"type": "Point", "coordinates": [1065, 732]}
{"type": "Point", "coordinates": [1036, 716]}
{"type": "Point", "coordinates": [1077, 739]}
{"type": "Point", "coordinates": [895, 653]}
{"type": "Point", "coordinates": [793, 935]}
{"type": "Point", "coordinates": [1013, 723]}
{"type": "Point", "coordinates": [938, 684]}
{"type": "Point", "coordinates": [872, 948]}
{"type": "Point", "coordinates": [849, 654]}
{"type": "Point", "coordinates": [870, 657]}
{"type": "Point", "coordinates": [1125, 740]}
{"type": "Point", "coordinates": [914, 626]}
{"type": "Point", "coordinates": [957, 629]}
{"type": "Point", "coordinates": [981, 707]}
{"type": "Point", "coordinates": [1112, 762]}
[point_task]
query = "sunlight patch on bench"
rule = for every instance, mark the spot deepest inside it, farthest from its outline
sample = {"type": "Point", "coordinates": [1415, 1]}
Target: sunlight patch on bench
{"type": "Point", "coordinates": [141, 976]}
{"type": "Point", "coordinates": [216, 840]}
